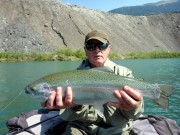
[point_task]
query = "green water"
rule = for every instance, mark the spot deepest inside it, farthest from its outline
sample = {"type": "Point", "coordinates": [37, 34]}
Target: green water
{"type": "Point", "coordinates": [15, 76]}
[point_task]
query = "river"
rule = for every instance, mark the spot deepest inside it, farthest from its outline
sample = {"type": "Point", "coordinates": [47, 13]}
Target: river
{"type": "Point", "coordinates": [15, 76]}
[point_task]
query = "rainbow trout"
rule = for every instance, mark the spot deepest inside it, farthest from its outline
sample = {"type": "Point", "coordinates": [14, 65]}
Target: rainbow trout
{"type": "Point", "coordinates": [95, 87]}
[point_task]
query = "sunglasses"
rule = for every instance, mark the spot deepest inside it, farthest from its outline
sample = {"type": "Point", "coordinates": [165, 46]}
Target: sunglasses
{"type": "Point", "coordinates": [92, 46]}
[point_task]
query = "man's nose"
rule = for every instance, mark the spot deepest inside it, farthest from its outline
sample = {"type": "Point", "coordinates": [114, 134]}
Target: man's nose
{"type": "Point", "coordinates": [97, 48]}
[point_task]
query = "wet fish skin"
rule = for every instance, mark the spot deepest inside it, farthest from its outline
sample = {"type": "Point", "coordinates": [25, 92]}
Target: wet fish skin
{"type": "Point", "coordinates": [95, 87]}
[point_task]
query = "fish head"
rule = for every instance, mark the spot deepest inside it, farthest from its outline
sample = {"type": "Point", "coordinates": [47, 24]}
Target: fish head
{"type": "Point", "coordinates": [39, 90]}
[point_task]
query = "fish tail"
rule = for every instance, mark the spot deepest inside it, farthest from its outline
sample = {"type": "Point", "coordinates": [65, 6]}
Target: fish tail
{"type": "Point", "coordinates": [166, 91]}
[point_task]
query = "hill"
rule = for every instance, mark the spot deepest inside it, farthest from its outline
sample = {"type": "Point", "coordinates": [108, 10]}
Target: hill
{"type": "Point", "coordinates": [47, 25]}
{"type": "Point", "coordinates": [165, 6]}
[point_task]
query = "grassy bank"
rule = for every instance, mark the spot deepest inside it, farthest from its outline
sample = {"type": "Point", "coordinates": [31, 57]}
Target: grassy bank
{"type": "Point", "coordinates": [60, 55]}
{"type": "Point", "coordinates": [68, 54]}
{"type": "Point", "coordinates": [154, 54]}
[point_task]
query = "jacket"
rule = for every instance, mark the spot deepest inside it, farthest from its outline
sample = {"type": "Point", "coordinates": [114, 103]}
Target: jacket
{"type": "Point", "coordinates": [115, 121]}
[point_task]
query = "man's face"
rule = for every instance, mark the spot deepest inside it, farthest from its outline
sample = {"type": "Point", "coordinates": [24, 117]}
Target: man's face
{"type": "Point", "coordinates": [97, 57]}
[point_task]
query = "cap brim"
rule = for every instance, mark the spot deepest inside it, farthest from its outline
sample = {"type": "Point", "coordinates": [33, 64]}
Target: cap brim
{"type": "Point", "coordinates": [98, 38]}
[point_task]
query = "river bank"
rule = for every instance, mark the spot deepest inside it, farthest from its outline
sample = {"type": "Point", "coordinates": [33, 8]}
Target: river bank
{"type": "Point", "coordinates": [75, 55]}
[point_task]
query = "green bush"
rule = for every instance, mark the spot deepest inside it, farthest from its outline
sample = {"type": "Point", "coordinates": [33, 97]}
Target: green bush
{"type": "Point", "coordinates": [154, 54]}
{"type": "Point", "coordinates": [80, 54]}
{"type": "Point", "coordinates": [68, 54]}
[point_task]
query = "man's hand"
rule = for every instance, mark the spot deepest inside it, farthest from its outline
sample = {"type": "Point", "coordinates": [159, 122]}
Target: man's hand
{"type": "Point", "coordinates": [57, 101]}
{"type": "Point", "coordinates": [129, 99]}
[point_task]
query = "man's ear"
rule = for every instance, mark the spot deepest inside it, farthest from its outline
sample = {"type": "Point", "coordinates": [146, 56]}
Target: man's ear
{"type": "Point", "coordinates": [110, 47]}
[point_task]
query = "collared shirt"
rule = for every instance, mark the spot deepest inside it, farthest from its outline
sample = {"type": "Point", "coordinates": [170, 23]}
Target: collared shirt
{"type": "Point", "coordinates": [117, 69]}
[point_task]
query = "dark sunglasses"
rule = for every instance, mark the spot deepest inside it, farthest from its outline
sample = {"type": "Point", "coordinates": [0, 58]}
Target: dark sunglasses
{"type": "Point", "coordinates": [92, 46]}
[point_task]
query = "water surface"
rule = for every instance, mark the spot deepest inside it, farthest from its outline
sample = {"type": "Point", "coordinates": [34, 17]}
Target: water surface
{"type": "Point", "coordinates": [15, 76]}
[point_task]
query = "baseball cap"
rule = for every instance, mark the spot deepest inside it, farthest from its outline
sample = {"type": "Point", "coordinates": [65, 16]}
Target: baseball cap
{"type": "Point", "coordinates": [98, 35]}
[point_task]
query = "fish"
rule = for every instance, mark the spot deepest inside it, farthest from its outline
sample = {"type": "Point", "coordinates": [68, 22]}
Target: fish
{"type": "Point", "coordinates": [96, 86]}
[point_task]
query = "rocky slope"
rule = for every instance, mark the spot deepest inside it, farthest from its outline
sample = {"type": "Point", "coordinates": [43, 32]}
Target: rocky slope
{"type": "Point", "coordinates": [47, 25]}
{"type": "Point", "coordinates": [165, 6]}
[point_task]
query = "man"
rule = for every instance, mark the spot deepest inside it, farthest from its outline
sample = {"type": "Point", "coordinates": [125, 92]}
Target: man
{"type": "Point", "coordinates": [84, 119]}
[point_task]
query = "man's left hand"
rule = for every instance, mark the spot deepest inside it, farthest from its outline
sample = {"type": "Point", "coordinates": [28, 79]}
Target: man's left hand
{"type": "Point", "coordinates": [128, 97]}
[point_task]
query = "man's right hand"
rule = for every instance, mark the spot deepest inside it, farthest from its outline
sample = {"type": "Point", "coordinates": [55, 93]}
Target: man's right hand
{"type": "Point", "coordinates": [57, 101]}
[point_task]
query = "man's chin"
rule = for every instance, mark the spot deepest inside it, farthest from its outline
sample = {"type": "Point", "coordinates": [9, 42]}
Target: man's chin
{"type": "Point", "coordinates": [98, 63]}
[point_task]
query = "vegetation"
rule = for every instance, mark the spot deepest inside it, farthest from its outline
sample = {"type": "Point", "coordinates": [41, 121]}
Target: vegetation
{"type": "Point", "coordinates": [154, 54]}
{"type": "Point", "coordinates": [60, 55]}
{"type": "Point", "coordinates": [68, 54]}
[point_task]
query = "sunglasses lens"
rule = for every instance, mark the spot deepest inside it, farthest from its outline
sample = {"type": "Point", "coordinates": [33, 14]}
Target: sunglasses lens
{"type": "Point", "coordinates": [103, 46]}
{"type": "Point", "coordinates": [92, 46]}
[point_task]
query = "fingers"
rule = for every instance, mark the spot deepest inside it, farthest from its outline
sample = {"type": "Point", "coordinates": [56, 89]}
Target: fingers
{"type": "Point", "coordinates": [50, 102]}
{"type": "Point", "coordinates": [57, 99]}
{"type": "Point", "coordinates": [63, 101]}
{"type": "Point", "coordinates": [68, 103]}
{"type": "Point", "coordinates": [129, 99]}
{"type": "Point", "coordinates": [127, 102]}
{"type": "Point", "coordinates": [68, 98]}
{"type": "Point", "coordinates": [133, 93]}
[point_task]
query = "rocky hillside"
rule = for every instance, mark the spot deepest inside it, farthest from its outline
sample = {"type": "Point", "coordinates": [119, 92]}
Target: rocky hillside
{"type": "Point", "coordinates": [165, 6]}
{"type": "Point", "coordinates": [47, 25]}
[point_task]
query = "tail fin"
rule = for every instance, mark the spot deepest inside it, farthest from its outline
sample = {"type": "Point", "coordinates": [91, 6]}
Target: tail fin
{"type": "Point", "coordinates": [166, 91]}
